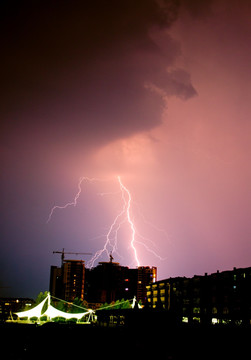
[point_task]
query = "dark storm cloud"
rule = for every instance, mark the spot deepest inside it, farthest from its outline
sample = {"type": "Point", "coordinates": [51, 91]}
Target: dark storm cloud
{"type": "Point", "coordinates": [198, 8]}
{"type": "Point", "coordinates": [74, 75]}
{"type": "Point", "coordinates": [80, 69]}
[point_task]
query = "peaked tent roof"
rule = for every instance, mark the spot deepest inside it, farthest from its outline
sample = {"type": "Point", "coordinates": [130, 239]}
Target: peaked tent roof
{"type": "Point", "coordinates": [51, 311]}
{"type": "Point", "coordinates": [34, 312]}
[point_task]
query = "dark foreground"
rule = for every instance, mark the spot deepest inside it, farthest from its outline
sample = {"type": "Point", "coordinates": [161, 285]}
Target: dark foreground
{"type": "Point", "coordinates": [61, 341]}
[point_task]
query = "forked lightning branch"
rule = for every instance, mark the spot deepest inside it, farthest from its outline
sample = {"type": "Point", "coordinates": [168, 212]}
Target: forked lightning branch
{"type": "Point", "coordinates": [112, 236]}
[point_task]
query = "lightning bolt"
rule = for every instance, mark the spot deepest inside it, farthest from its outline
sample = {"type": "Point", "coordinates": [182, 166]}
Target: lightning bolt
{"type": "Point", "coordinates": [114, 228]}
{"type": "Point", "coordinates": [129, 219]}
{"type": "Point", "coordinates": [75, 200]}
{"type": "Point", "coordinates": [124, 216]}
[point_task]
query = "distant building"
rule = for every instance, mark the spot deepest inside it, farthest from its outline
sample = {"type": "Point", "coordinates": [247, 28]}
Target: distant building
{"type": "Point", "coordinates": [73, 279]}
{"type": "Point", "coordinates": [146, 275]}
{"type": "Point", "coordinates": [56, 283]}
{"type": "Point", "coordinates": [10, 305]}
{"type": "Point", "coordinates": [67, 282]}
{"type": "Point", "coordinates": [105, 283]}
{"type": "Point", "coordinates": [109, 281]}
{"type": "Point", "coordinates": [220, 297]}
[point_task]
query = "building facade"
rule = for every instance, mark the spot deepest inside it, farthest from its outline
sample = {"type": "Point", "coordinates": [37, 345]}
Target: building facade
{"type": "Point", "coordinates": [73, 279]}
{"type": "Point", "coordinates": [56, 283]}
{"type": "Point", "coordinates": [67, 282]}
{"type": "Point", "coordinates": [8, 306]}
{"type": "Point", "coordinates": [145, 275]}
{"type": "Point", "coordinates": [109, 281]}
{"type": "Point", "coordinates": [220, 297]}
{"type": "Point", "coordinates": [105, 283]}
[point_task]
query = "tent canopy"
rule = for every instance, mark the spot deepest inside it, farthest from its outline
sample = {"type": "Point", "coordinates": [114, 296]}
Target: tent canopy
{"type": "Point", "coordinates": [34, 312]}
{"type": "Point", "coordinates": [51, 311]}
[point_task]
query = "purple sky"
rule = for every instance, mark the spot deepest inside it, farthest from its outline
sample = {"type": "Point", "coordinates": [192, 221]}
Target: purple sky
{"type": "Point", "coordinates": [154, 91]}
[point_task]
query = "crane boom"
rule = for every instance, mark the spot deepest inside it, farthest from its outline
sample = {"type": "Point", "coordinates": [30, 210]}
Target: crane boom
{"type": "Point", "coordinates": [74, 253]}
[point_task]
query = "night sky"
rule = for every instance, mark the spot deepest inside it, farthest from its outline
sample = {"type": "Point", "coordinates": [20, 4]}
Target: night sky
{"type": "Point", "coordinates": [156, 91]}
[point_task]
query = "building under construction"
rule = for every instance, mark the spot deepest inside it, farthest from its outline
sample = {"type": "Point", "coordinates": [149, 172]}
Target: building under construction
{"type": "Point", "coordinates": [105, 283]}
{"type": "Point", "coordinates": [109, 281]}
{"type": "Point", "coordinates": [67, 281]}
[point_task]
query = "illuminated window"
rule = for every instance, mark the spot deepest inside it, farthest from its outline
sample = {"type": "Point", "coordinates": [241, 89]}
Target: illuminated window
{"type": "Point", "coordinates": [196, 310]}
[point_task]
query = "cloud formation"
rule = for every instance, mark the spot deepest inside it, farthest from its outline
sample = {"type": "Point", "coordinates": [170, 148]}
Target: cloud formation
{"type": "Point", "coordinates": [156, 91]}
{"type": "Point", "coordinates": [81, 70]}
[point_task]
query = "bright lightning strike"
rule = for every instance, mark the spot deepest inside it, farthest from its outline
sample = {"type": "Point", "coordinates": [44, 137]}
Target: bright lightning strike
{"type": "Point", "coordinates": [114, 228]}
{"type": "Point", "coordinates": [129, 219]}
{"type": "Point", "coordinates": [124, 216]}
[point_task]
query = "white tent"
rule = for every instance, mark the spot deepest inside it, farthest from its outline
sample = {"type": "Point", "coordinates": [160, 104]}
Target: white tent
{"type": "Point", "coordinates": [34, 312]}
{"type": "Point", "coordinates": [134, 303]}
{"type": "Point", "coordinates": [51, 311]}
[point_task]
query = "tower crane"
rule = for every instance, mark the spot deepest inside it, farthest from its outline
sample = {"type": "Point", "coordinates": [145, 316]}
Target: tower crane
{"type": "Point", "coordinates": [74, 253]}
